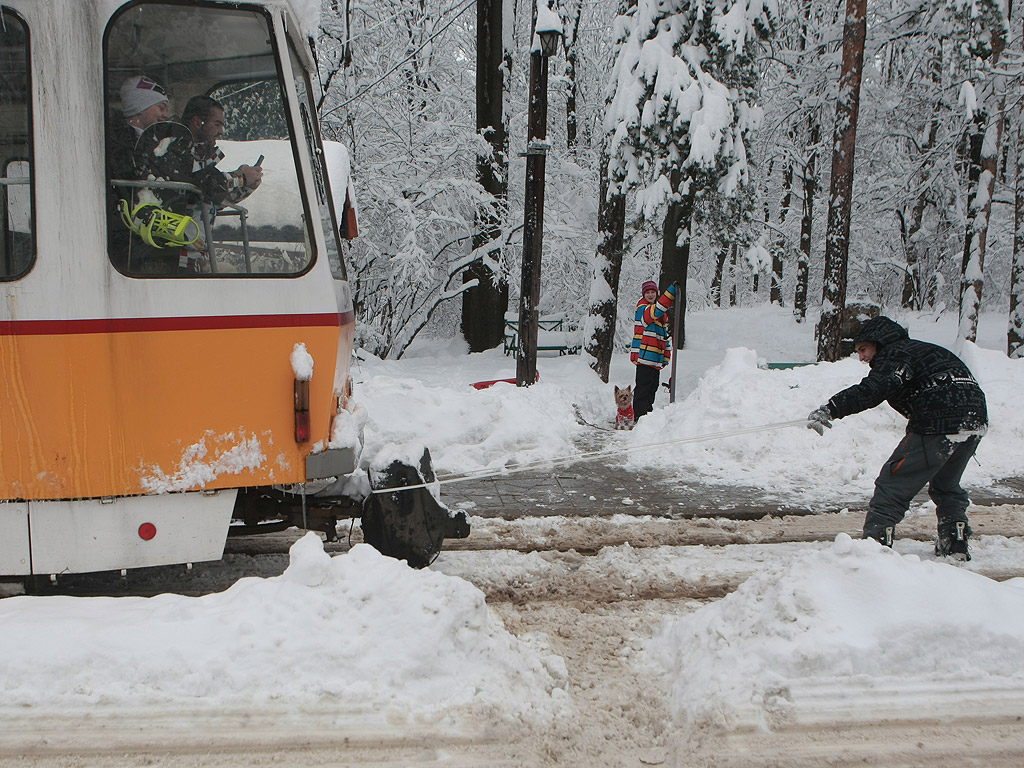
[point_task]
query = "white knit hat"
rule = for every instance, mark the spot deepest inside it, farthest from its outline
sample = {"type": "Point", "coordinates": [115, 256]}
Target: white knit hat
{"type": "Point", "coordinates": [139, 93]}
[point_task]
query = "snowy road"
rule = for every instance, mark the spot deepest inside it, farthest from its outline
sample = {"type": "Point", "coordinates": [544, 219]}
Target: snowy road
{"type": "Point", "coordinates": [597, 589]}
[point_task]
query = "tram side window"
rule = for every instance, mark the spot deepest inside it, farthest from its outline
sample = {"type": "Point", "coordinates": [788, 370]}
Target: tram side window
{"type": "Point", "coordinates": [16, 241]}
{"type": "Point", "coordinates": [202, 179]}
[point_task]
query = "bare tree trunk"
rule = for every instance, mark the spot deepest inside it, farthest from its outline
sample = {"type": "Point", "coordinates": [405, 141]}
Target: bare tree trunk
{"type": "Point", "coordinates": [675, 255]}
{"type": "Point", "coordinates": [611, 229]}
{"type": "Point", "coordinates": [778, 248]}
{"type": "Point", "coordinates": [484, 306]}
{"type": "Point", "coordinates": [1015, 330]}
{"type": "Point", "coordinates": [775, 292]}
{"type": "Point", "coordinates": [604, 293]}
{"type": "Point", "coordinates": [973, 273]}
{"type": "Point", "coordinates": [810, 189]}
{"type": "Point", "coordinates": [983, 177]}
{"type": "Point", "coordinates": [344, 13]}
{"type": "Point", "coordinates": [733, 274]}
{"type": "Point", "coordinates": [911, 297]}
{"type": "Point", "coordinates": [575, 10]}
{"type": "Point", "coordinates": [716, 281]}
{"type": "Point", "coordinates": [837, 235]}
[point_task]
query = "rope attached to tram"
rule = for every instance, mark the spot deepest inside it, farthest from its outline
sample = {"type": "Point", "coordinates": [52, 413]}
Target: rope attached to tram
{"type": "Point", "coordinates": [590, 456]}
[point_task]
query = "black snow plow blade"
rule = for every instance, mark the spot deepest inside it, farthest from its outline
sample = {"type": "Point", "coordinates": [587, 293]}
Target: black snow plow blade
{"type": "Point", "coordinates": [409, 525]}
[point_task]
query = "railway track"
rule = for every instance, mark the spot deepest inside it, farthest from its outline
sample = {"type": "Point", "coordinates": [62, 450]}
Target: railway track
{"type": "Point", "coordinates": [596, 587]}
{"type": "Point", "coordinates": [566, 547]}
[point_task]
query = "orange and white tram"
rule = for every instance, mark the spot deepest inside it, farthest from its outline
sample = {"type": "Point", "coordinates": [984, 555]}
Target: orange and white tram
{"type": "Point", "coordinates": [137, 404]}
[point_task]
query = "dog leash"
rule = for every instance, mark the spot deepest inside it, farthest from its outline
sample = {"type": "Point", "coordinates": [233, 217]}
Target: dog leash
{"type": "Point", "coordinates": [590, 456]}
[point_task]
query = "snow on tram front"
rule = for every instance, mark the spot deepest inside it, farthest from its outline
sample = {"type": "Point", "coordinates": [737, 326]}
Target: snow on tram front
{"type": "Point", "coordinates": [176, 324]}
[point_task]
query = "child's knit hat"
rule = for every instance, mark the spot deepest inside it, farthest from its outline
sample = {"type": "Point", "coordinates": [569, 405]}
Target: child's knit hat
{"type": "Point", "coordinates": [650, 285]}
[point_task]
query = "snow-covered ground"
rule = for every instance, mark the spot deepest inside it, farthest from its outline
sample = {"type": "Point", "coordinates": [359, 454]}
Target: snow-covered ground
{"type": "Point", "coordinates": [369, 639]}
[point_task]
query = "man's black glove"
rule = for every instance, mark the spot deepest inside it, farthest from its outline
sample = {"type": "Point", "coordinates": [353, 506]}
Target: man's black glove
{"type": "Point", "coordinates": [820, 419]}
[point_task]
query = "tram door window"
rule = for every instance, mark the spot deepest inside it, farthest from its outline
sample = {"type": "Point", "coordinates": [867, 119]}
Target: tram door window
{"type": "Point", "coordinates": [322, 182]}
{"type": "Point", "coordinates": [183, 197]}
{"type": "Point", "coordinates": [16, 240]}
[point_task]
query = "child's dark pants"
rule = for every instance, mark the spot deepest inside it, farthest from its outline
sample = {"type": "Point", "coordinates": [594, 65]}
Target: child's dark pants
{"type": "Point", "coordinates": [646, 388]}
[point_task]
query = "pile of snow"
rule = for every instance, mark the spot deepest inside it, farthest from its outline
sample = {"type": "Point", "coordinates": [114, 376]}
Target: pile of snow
{"type": "Point", "coordinates": [358, 632]}
{"type": "Point", "coordinates": [853, 615]}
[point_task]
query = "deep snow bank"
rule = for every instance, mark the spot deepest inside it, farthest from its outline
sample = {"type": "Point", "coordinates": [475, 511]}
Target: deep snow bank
{"type": "Point", "coordinates": [851, 616]}
{"type": "Point", "coordinates": [358, 632]}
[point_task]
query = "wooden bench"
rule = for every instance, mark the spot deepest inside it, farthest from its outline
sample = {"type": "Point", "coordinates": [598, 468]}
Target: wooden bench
{"type": "Point", "coordinates": [554, 334]}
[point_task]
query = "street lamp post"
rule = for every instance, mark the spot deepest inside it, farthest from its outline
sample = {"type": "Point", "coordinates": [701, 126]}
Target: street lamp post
{"type": "Point", "coordinates": [547, 35]}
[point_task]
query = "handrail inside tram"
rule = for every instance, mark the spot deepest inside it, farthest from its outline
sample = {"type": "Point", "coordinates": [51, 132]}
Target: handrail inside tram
{"type": "Point", "coordinates": [179, 186]}
{"type": "Point", "coordinates": [184, 186]}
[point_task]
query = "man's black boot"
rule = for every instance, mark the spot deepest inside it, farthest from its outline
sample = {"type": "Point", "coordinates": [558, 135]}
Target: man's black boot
{"type": "Point", "coordinates": [883, 536]}
{"type": "Point", "coordinates": [952, 540]}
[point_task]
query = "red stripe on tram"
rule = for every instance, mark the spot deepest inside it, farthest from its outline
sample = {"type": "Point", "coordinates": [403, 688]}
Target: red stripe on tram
{"type": "Point", "coordinates": [149, 324]}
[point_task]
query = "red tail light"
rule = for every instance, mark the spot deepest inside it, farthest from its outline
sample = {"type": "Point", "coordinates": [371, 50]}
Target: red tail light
{"type": "Point", "coordinates": [301, 411]}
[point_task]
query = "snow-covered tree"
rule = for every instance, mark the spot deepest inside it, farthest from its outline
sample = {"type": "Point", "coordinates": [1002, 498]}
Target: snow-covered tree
{"type": "Point", "coordinates": [484, 306]}
{"type": "Point", "coordinates": [683, 109]}
{"type": "Point", "coordinates": [985, 22]}
{"type": "Point", "coordinates": [404, 107]}
{"type": "Point", "coordinates": [840, 202]}
{"type": "Point", "coordinates": [800, 88]}
{"type": "Point", "coordinates": [599, 327]}
{"type": "Point", "coordinates": [1015, 326]}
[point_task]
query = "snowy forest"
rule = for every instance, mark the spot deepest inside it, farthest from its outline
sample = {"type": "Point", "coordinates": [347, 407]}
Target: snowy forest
{"type": "Point", "coordinates": [812, 154]}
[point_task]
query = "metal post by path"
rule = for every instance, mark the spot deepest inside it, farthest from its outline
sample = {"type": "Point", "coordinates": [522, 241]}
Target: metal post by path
{"type": "Point", "coordinates": [675, 349]}
{"type": "Point", "coordinates": [533, 222]}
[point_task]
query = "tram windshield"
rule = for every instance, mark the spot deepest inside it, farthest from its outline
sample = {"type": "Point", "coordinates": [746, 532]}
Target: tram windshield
{"type": "Point", "coordinates": [16, 248]}
{"type": "Point", "coordinates": [202, 173]}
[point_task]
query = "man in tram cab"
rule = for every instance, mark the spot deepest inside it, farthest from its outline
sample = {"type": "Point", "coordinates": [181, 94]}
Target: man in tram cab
{"type": "Point", "coordinates": [204, 117]}
{"type": "Point", "coordinates": [166, 151]}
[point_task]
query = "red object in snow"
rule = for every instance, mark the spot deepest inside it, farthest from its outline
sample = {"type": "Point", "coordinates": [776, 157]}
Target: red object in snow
{"type": "Point", "coordinates": [492, 382]}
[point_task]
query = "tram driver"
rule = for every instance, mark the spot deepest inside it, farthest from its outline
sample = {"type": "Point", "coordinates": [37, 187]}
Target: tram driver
{"type": "Point", "coordinates": [204, 117]}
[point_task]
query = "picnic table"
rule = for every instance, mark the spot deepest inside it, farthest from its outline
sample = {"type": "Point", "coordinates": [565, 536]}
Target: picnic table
{"type": "Point", "coordinates": [554, 334]}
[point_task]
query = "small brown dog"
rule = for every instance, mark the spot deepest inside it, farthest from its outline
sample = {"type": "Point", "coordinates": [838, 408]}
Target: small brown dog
{"type": "Point", "coordinates": [624, 401]}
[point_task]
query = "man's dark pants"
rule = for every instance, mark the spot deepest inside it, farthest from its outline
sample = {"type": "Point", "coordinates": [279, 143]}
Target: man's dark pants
{"type": "Point", "coordinates": [647, 377]}
{"type": "Point", "coordinates": [919, 460]}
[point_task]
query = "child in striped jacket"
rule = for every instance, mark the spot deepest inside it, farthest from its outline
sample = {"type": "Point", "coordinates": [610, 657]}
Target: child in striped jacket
{"type": "Point", "coordinates": [651, 349]}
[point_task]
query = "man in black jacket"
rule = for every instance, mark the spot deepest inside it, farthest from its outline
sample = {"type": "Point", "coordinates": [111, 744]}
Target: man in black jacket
{"type": "Point", "coordinates": [946, 419]}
